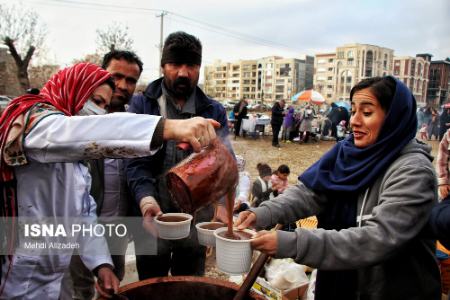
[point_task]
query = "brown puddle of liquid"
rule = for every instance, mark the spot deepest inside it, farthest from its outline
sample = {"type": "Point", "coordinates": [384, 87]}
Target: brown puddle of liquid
{"type": "Point", "coordinates": [213, 226]}
{"type": "Point", "coordinates": [171, 218]}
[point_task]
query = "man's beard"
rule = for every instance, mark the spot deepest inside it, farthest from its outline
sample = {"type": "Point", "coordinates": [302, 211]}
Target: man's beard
{"type": "Point", "coordinates": [118, 104]}
{"type": "Point", "coordinates": [182, 87]}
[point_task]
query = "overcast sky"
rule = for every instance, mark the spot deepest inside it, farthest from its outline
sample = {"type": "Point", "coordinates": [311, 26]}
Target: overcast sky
{"type": "Point", "coordinates": [249, 29]}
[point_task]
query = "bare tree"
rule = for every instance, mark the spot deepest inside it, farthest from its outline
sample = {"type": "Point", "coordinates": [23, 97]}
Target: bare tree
{"type": "Point", "coordinates": [22, 31]}
{"type": "Point", "coordinates": [115, 36]}
{"type": "Point", "coordinates": [95, 58]}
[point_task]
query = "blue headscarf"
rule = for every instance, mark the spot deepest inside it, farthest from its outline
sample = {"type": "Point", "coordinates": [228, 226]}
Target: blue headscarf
{"type": "Point", "coordinates": [346, 168]}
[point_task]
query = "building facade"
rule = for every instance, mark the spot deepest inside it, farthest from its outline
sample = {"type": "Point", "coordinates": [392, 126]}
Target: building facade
{"type": "Point", "coordinates": [264, 80]}
{"type": "Point", "coordinates": [338, 72]}
{"type": "Point", "coordinates": [439, 82]}
{"type": "Point", "coordinates": [9, 83]}
{"type": "Point", "coordinates": [414, 72]}
{"type": "Point", "coordinates": [355, 62]}
{"type": "Point", "coordinates": [324, 75]}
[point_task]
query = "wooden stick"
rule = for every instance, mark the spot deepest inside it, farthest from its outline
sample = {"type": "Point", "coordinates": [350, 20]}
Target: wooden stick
{"type": "Point", "coordinates": [253, 274]}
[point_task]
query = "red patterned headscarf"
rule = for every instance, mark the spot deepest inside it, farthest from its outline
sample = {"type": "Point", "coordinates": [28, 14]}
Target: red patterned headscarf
{"type": "Point", "coordinates": [66, 91]}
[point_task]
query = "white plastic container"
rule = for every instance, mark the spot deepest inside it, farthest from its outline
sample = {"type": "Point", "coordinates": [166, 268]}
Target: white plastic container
{"type": "Point", "coordinates": [206, 236]}
{"type": "Point", "coordinates": [233, 256]}
{"type": "Point", "coordinates": [174, 230]}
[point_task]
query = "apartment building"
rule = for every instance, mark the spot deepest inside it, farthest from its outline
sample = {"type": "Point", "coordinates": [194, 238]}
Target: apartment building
{"type": "Point", "coordinates": [338, 72]}
{"type": "Point", "coordinates": [355, 62]}
{"type": "Point", "coordinates": [224, 80]}
{"type": "Point", "coordinates": [439, 82]}
{"type": "Point", "coordinates": [324, 75]}
{"type": "Point", "coordinates": [261, 81]}
{"type": "Point", "coordinates": [414, 71]}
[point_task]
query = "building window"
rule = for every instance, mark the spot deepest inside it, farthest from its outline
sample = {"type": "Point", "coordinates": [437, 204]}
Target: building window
{"type": "Point", "coordinates": [413, 67]}
{"type": "Point", "coordinates": [285, 70]}
{"type": "Point", "coordinates": [340, 55]}
{"type": "Point", "coordinates": [369, 63]}
{"type": "Point", "coordinates": [350, 54]}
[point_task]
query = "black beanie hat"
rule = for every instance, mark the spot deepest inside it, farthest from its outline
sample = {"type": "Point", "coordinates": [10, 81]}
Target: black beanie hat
{"type": "Point", "coordinates": [182, 48]}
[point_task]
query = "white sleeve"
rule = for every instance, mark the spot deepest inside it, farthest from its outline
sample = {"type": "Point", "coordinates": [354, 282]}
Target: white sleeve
{"type": "Point", "coordinates": [59, 138]}
{"type": "Point", "coordinates": [94, 249]}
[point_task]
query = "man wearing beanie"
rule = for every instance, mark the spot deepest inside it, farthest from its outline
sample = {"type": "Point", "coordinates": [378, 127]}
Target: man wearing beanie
{"type": "Point", "coordinates": [174, 96]}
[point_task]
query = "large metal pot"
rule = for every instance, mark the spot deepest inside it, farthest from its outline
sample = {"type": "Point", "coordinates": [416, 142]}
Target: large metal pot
{"type": "Point", "coordinates": [181, 288]}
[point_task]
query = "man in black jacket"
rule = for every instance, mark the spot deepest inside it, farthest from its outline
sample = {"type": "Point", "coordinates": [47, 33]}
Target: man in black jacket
{"type": "Point", "coordinates": [277, 121]}
{"type": "Point", "coordinates": [174, 96]}
{"type": "Point", "coordinates": [240, 112]}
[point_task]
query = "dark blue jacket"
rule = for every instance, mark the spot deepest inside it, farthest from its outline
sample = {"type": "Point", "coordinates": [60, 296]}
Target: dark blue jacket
{"type": "Point", "coordinates": [439, 222]}
{"type": "Point", "coordinates": [142, 172]}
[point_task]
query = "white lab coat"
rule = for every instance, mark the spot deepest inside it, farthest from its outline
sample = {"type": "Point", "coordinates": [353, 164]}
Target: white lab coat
{"type": "Point", "coordinates": [56, 183]}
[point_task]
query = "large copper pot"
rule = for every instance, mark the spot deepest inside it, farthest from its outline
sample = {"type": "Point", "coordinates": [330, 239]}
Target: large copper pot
{"type": "Point", "coordinates": [181, 288]}
{"type": "Point", "coordinates": [203, 178]}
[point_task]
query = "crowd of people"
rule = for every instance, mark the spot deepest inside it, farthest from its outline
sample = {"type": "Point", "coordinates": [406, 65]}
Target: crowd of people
{"type": "Point", "coordinates": [87, 146]}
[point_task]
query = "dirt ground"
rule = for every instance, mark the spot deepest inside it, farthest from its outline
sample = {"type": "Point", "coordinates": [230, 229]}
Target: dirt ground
{"type": "Point", "coordinates": [297, 156]}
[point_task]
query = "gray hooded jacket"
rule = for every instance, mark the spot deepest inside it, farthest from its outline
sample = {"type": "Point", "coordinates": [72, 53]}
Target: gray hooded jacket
{"type": "Point", "coordinates": [391, 260]}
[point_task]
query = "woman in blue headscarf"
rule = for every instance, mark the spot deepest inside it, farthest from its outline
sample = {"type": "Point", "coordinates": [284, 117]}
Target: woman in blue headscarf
{"type": "Point", "coordinates": [372, 194]}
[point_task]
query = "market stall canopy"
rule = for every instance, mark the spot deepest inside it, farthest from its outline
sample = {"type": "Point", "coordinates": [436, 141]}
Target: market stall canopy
{"type": "Point", "coordinates": [309, 95]}
{"type": "Point", "coordinates": [344, 104]}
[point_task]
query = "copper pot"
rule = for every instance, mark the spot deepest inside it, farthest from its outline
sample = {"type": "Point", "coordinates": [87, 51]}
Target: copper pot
{"type": "Point", "coordinates": [203, 178]}
{"type": "Point", "coordinates": [181, 288]}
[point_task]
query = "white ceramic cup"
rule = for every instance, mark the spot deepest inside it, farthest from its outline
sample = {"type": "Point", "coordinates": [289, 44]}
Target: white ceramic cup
{"type": "Point", "coordinates": [233, 256]}
{"type": "Point", "coordinates": [206, 236]}
{"type": "Point", "coordinates": [174, 230]}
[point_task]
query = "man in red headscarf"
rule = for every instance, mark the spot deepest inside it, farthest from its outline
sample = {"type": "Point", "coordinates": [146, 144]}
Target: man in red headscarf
{"type": "Point", "coordinates": [43, 140]}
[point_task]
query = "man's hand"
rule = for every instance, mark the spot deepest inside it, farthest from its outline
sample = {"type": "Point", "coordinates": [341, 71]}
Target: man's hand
{"type": "Point", "coordinates": [107, 283]}
{"type": "Point", "coordinates": [149, 209]}
{"type": "Point", "coordinates": [245, 220]}
{"type": "Point", "coordinates": [265, 241]}
{"type": "Point", "coordinates": [198, 131]}
{"type": "Point", "coordinates": [443, 190]}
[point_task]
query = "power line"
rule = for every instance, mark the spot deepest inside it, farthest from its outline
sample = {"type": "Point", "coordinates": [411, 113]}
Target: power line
{"type": "Point", "coordinates": [102, 6]}
{"type": "Point", "coordinates": [234, 33]}
{"type": "Point", "coordinates": [200, 24]}
{"type": "Point", "coordinates": [230, 34]}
